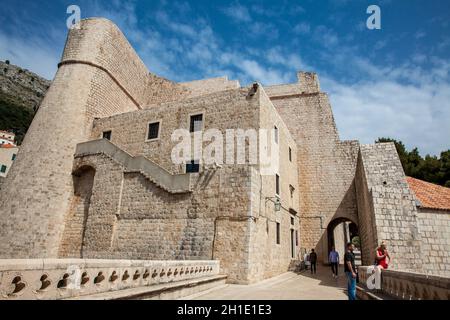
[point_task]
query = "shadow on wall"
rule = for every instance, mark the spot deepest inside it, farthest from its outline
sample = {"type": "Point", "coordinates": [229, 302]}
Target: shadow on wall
{"type": "Point", "coordinates": [344, 213]}
{"type": "Point", "coordinates": [75, 224]}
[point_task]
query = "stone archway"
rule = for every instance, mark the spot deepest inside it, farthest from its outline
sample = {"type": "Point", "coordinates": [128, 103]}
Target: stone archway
{"type": "Point", "coordinates": [340, 231]}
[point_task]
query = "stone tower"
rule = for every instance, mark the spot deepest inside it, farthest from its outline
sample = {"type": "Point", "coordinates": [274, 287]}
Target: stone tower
{"type": "Point", "coordinates": [99, 75]}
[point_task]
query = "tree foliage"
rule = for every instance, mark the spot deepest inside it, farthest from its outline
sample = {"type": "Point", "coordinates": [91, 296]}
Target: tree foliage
{"type": "Point", "coordinates": [431, 168]}
{"type": "Point", "coordinates": [14, 117]}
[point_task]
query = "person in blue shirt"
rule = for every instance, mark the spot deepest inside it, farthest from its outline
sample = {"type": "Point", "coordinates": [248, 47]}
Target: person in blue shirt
{"type": "Point", "coordinates": [334, 260]}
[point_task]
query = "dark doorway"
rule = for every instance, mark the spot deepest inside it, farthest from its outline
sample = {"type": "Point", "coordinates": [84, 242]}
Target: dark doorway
{"type": "Point", "coordinates": [292, 244]}
{"type": "Point", "coordinates": [347, 231]}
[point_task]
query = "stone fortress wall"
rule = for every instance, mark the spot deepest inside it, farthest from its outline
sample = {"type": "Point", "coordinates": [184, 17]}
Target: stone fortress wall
{"type": "Point", "coordinates": [391, 208]}
{"type": "Point", "coordinates": [97, 205]}
{"type": "Point", "coordinates": [326, 165]}
{"type": "Point", "coordinates": [106, 77]}
{"type": "Point", "coordinates": [434, 228]}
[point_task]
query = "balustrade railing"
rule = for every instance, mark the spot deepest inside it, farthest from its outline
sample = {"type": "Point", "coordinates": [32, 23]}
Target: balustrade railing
{"type": "Point", "coordinates": [66, 278]}
{"type": "Point", "coordinates": [407, 285]}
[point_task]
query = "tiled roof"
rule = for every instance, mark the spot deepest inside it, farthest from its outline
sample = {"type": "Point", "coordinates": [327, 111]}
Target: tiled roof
{"type": "Point", "coordinates": [7, 145]}
{"type": "Point", "coordinates": [430, 195]}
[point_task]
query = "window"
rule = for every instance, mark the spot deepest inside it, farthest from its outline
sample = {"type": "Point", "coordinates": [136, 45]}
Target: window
{"type": "Point", "coordinates": [3, 169]}
{"type": "Point", "coordinates": [292, 190]}
{"type": "Point", "coordinates": [277, 184]}
{"type": "Point", "coordinates": [278, 233]}
{"type": "Point", "coordinates": [275, 131]}
{"type": "Point", "coordinates": [107, 135]}
{"type": "Point", "coordinates": [153, 131]}
{"type": "Point", "coordinates": [193, 167]}
{"type": "Point", "coordinates": [196, 123]}
{"type": "Point", "coordinates": [290, 154]}
{"type": "Point", "coordinates": [13, 157]}
{"type": "Point", "coordinates": [292, 221]}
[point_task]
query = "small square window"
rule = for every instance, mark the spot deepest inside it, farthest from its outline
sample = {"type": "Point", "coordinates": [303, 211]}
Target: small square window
{"type": "Point", "coordinates": [196, 123]}
{"type": "Point", "coordinates": [193, 167]}
{"type": "Point", "coordinates": [13, 157]}
{"type": "Point", "coordinates": [277, 184]}
{"type": "Point", "coordinates": [153, 131]}
{"type": "Point", "coordinates": [107, 135]}
{"type": "Point", "coordinates": [275, 130]}
{"type": "Point", "coordinates": [278, 233]}
{"type": "Point", "coordinates": [3, 169]}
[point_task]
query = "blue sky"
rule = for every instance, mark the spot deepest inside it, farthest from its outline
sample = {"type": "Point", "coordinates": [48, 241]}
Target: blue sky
{"type": "Point", "coordinates": [390, 82]}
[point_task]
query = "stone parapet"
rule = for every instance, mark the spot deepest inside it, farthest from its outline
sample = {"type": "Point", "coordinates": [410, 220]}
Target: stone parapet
{"type": "Point", "coordinates": [50, 279]}
{"type": "Point", "coordinates": [409, 285]}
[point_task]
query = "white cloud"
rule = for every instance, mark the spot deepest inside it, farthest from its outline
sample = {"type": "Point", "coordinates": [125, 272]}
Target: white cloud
{"type": "Point", "coordinates": [408, 102]}
{"type": "Point", "coordinates": [268, 76]}
{"type": "Point", "coordinates": [302, 28]}
{"type": "Point", "coordinates": [417, 114]}
{"type": "Point", "coordinates": [326, 36]}
{"type": "Point", "coordinates": [238, 12]}
{"type": "Point", "coordinates": [38, 54]}
{"type": "Point", "coordinates": [420, 34]}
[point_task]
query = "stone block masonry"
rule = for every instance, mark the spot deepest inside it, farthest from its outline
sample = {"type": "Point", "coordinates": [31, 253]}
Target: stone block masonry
{"type": "Point", "coordinates": [387, 206]}
{"type": "Point", "coordinates": [106, 77]}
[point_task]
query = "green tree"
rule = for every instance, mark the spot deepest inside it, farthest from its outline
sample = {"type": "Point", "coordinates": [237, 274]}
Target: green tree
{"type": "Point", "coordinates": [430, 168]}
{"type": "Point", "coordinates": [445, 168]}
{"type": "Point", "coordinates": [15, 118]}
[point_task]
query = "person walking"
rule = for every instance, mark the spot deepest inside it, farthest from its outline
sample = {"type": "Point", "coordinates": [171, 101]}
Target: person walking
{"type": "Point", "coordinates": [350, 271]}
{"type": "Point", "coordinates": [313, 261]}
{"type": "Point", "coordinates": [334, 260]}
{"type": "Point", "coordinates": [306, 259]}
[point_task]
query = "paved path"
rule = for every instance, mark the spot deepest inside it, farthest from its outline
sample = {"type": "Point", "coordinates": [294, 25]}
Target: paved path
{"type": "Point", "coordinates": [288, 286]}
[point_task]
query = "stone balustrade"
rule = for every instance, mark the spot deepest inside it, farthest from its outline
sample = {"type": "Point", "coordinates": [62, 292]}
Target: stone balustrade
{"type": "Point", "coordinates": [30, 279]}
{"type": "Point", "coordinates": [409, 285]}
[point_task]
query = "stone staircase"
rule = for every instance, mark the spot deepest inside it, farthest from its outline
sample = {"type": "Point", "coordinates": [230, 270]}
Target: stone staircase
{"type": "Point", "coordinates": [173, 183]}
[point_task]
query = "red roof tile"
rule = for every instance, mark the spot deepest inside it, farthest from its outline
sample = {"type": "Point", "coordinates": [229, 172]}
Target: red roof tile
{"type": "Point", "coordinates": [7, 145]}
{"type": "Point", "coordinates": [430, 195]}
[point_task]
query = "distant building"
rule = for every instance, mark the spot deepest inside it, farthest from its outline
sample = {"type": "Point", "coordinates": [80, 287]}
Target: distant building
{"type": "Point", "coordinates": [7, 137]}
{"type": "Point", "coordinates": [8, 152]}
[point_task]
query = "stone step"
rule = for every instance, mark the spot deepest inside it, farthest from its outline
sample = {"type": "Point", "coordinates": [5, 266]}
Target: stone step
{"type": "Point", "coordinates": [201, 293]}
{"type": "Point", "coordinates": [165, 291]}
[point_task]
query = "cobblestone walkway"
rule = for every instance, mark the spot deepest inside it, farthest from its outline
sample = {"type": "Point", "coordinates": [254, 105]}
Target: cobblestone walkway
{"type": "Point", "coordinates": [288, 286]}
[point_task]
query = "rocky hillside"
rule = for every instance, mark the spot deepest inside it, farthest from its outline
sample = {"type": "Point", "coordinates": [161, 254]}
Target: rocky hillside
{"type": "Point", "coordinates": [21, 93]}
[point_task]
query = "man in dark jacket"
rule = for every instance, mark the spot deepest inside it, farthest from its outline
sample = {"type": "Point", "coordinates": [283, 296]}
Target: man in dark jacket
{"type": "Point", "coordinates": [313, 260]}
